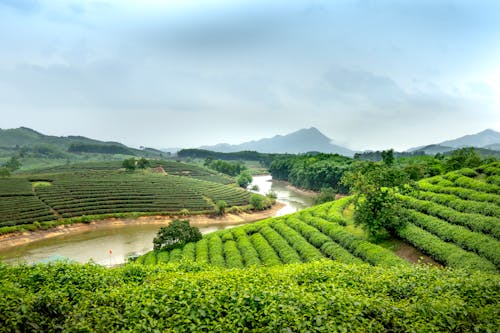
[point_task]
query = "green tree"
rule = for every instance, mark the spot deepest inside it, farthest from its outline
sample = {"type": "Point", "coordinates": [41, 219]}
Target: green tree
{"type": "Point", "coordinates": [244, 179]}
{"type": "Point", "coordinates": [12, 164]}
{"type": "Point", "coordinates": [326, 194]}
{"type": "Point", "coordinates": [376, 207]}
{"type": "Point", "coordinates": [462, 158]}
{"type": "Point", "coordinates": [143, 163]}
{"type": "Point", "coordinates": [129, 164]}
{"type": "Point", "coordinates": [176, 234]}
{"type": "Point", "coordinates": [257, 201]}
{"type": "Point", "coordinates": [388, 157]}
{"type": "Point", "coordinates": [220, 207]}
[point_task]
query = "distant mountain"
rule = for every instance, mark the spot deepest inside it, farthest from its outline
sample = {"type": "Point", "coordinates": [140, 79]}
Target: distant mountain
{"type": "Point", "coordinates": [481, 139]}
{"type": "Point", "coordinates": [488, 139]}
{"type": "Point", "coordinates": [433, 149]}
{"type": "Point", "coordinates": [494, 146]}
{"type": "Point", "coordinates": [301, 141]}
{"type": "Point", "coordinates": [28, 139]}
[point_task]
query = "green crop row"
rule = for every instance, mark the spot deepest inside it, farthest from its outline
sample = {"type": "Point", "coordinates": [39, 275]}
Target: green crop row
{"type": "Point", "coordinates": [321, 296]}
{"type": "Point", "coordinates": [365, 250]}
{"type": "Point", "coordinates": [306, 250]}
{"type": "Point", "coordinates": [216, 250]}
{"type": "Point", "coordinates": [287, 254]}
{"type": "Point", "coordinates": [483, 245]}
{"type": "Point", "coordinates": [232, 255]}
{"type": "Point", "coordinates": [461, 192]}
{"type": "Point", "coordinates": [266, 252]}
{"type": "Point", "coordinates": [475, 222]}
{"type": "Point", "coordinates": [446, 253]}
{"type": "Point", "coordinates": [478, 185]}
{"type": "Point", "coordinates": [461, 205]}
{"type": "Point", "coordinates": [331, 249]}
{"type": "Point", "coordinates": [248, 253]}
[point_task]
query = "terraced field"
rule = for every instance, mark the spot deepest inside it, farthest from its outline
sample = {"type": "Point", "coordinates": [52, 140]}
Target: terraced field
{"type": "Point", "coordinates": [455, 218]}
{"type": "Point", "coordinates": [169, 166]}
{"type": "Point", "coordinates": [313, 234]}
{"type": "Point", "coordinates": [46, 197]}
{"type": "Point", "coordinates": [459, 230]}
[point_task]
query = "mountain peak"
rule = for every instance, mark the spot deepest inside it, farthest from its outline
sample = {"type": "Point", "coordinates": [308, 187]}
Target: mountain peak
{"type": "Point", "coordinates": [301, 141]}
{"type": "Point", "coordinates": [481, 139]}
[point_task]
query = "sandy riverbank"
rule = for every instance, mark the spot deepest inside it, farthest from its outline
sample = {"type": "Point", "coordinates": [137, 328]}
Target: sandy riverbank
{"type": "Point", "coordinates": [22, 238]}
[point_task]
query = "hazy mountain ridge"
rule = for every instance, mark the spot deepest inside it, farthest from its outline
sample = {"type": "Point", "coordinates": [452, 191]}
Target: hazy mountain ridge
{"type": "Point", "coordinates": [23, 137]}
{"type": "Point", "coordinates": [488, 139]}
{"type": "Point", "coordinates": [301, 141]}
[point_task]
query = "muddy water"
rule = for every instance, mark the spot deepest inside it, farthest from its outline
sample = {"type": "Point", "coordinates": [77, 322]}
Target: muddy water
{"type": "Point", "coordinates": [130, 240]}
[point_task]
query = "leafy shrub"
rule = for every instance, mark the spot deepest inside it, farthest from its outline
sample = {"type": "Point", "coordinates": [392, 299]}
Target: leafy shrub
{"type": "Point", "coordinates": [176, 234]}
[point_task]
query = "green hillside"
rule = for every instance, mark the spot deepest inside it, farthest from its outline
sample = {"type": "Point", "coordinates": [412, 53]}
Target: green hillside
{"type": "Point", "coordinates": [36, 150]}
{"type": "Point", "coordinates": [36, 199]}
{"type": "Point", "coordinates": [313, 234]}
{"type": "Point", "coordinates": [307, 271]}
{"type": "Point", "coordinates": [455, 218]}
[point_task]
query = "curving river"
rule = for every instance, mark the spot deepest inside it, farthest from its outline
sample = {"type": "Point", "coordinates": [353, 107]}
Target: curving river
{"type": "Point", "coordinates": [130, 240]}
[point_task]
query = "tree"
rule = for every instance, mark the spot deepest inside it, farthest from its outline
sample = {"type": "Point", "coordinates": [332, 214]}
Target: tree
{"type": "Point", "coordinates": [374, 186]}
{"type": "Point", "coordinates": [143, 163]}
{"type": "Point", "coordinates": [257, 201]}
{"type": "Point", "coordinates": [388, 157]}
{"type": "Point", "coordinates": [12, 164]}
{"type": "Point", "coordinates": [129, 164]}
{"type": "Point", "coordinates": [326, 194]}
{"type": "Point", "coordinates": [463, 158]}
{"type": "Point", "coordinates": [244, 179]}
{"type": "Point", "coordinates": [220, 207]}
{"type": "Point", "coordinates": [176, 234]}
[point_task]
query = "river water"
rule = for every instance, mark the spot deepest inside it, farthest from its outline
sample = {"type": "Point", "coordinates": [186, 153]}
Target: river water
{"type": "Point", "coordinates": [131, 240]}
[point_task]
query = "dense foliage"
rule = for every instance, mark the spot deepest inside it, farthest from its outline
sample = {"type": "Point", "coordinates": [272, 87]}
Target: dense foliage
{"type": "Point", "coordinates": [376, 207]}
{"type": "Point", "coordinates": [322, 296]}
{"type": "Point", "coordinates": [175, 235]}
{"type": "Point", "coordinates": [111, 148]}
{"type": "Point", "coordinates": [312, 171]}
{"type": "Point", "coordinates": [228, 168]}
{"type": "Point", "coordinates": [264, 159]}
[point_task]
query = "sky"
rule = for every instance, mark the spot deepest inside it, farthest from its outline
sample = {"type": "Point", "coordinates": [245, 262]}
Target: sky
{"type": "Point", "coordinates": [184, 73]}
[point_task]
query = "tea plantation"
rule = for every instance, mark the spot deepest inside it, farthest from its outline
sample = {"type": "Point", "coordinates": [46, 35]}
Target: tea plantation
{"type": "Point", "coordinates": [304, 272]}
{"type": "Point", "coordinates": [59, 196]}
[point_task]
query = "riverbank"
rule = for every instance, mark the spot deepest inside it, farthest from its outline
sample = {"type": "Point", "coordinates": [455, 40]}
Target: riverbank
{"type": "Point", "coordinates": [22, 238]}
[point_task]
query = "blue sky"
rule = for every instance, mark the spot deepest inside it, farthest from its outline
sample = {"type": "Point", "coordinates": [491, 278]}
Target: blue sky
{"type": "Point", "coordinates": [368, 74]}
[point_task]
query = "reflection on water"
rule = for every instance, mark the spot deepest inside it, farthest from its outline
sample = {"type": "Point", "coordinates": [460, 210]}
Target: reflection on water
{"type": "Point", "coordinates": [129, 240]}
{"type": "Point", "coordinates": [292, 199]}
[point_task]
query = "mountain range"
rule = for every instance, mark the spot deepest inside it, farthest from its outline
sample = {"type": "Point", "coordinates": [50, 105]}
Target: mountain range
{"type": "Point", "coordinates": [301, 141]}
{"type": "Point", "coordinates": [29, 139]}
{"type": "Point", "coordinates": [487, 139]}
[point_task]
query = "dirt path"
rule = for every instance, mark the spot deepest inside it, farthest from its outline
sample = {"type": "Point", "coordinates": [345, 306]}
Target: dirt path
{"type": "Point", "coordinates": [413, 255]}
{"type": "Point", "coordinates": [22, 238]}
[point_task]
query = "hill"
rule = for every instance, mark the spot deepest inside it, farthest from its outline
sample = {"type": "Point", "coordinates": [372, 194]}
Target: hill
{"type": "Point", "coordinates": [26, 140]}
{"type": "Point", "coordinates": [489, 139]}
{"type": "Point", "coordinates": [301, 141]}
{"type": "Point", "coordinates": [98, 190]}
{"type": "Point", "coordinates": [481, 139]}
{"type": "Point", "coordinates": [454, 218]}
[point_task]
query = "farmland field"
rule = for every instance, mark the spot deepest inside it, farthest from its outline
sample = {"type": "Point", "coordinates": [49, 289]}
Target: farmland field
{"type": "Point", "coordinates": [97, 189]}
{"type": "Point", "coordinates": [456, 232]}
{"type": "Point", "coordinates": [455, 218]}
